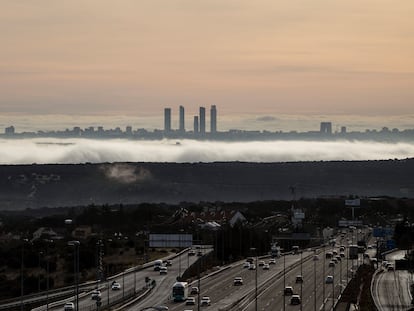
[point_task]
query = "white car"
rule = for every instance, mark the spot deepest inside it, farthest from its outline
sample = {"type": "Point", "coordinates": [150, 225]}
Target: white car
{"type": "Point", "coordinates": [163, 270]}
{"type": "Point", "coordinates": [69, 306]}
{"type": "Point", "coordinates": [194, 290]}
{"type": "Point", "coordinates": [329, 279]}
{"type": "Point", "coordinates": [295, 300]}
{"type": "Point", "coordinates": [238, 280]}
{"type": "Point", "coordinates": [261, 263]}
{"type": "Point", "coordinates": [190, 301]}
{"type": "Point", "coordinates": [96, 294]}
{"type": "Point", "coordinates": [272, 261]}
{"type": "Point", "coordinates": [252, 266]}
{"type": "Point", "coordinates": [205, 301]}
{"type": "Point", "coordinates": [115, 286]}
{"type": "Point", "coordinates": [246, 265]}
{"type": "Point", "coordinates": [266, 266]}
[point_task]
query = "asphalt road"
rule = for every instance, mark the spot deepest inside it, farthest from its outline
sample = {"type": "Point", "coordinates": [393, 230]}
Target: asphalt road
{"type": "Point", "coordinates": [391, 288]}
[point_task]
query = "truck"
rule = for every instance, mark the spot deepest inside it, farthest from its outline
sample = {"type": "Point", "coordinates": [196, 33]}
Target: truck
{"type": "Point", "coordinates": [157, 265]}
{"type": "Point", "coordinates": [353, 251]}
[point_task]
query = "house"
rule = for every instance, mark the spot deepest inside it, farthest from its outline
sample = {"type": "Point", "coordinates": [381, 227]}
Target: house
{"type": "Point", "coordinates": [44, 233]}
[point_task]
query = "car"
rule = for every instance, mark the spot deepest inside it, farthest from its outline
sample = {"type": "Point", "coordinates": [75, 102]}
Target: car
{"type": "Point", "coordinates": [272, 261]}
{"type": "Point", "coordinates": [288, 291]}
{"type": "Point", "coordinates": [194, 290]}
{"type": "Point", "coordinates": [261, 263]}
{"type": "Point", "coordinates": [163, 270]}
{"type": "Point", "coordinates": [190, 301]}
{"type": "Point", "coordinates": [199, 253]}
{"type": "Point", "coordinates": [168, 263]}
{"type": "Point", "coordinates": [295, 300]}
{"type": "Point", "coordinates": [342, 249]}
{"type": "Point", "coordinates": [328, 255]}
{"type": "Point", "coordinates": [299, 279]}
{"type": "Point", "coordinates": [335, 260]}
{"type": "Point", "coordinates": [69, 306]}
{"type": "Point", "coordinates": [331, 263]}
{"type": "Point", "coordinates": [315, 257]}
{"type": "Point", "coordinates": [250, 260]}
{"type": "Point", "coordinates": [384, 263]}
{"type": "Point", "coordinates": [96, 294]}
{"type": "Point", "coordinates": [205, 301]}
{"type": "Point", "coordinates": [338, 257]}
{"type": "Point", "coordinates": [342, 255]}
{"type": "Point", "coordinates": [238, 280]}
{"type": "Point", "coordinates": [115, 286]}
{"type": "Point", "coordinates": [335, 252]}
{"type": "Point", "coordinates": [266, 266]}
{"type": "Point", "coordinates": [329, 279]}
{"type": "Point", "coordinates": [191, 252]}
{"type": "Point", "coordinates": [252, 266]}
{"type": "Point", "coordinates": [246, 265]}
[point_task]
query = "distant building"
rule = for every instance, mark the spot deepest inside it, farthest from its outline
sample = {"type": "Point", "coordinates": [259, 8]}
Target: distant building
{"type": "Point", "coordinates": [182, 120]}
{"type": "Point", "coordinates": [167, 119]}
{"type": "Point", "coordinates": [128, 130]}
{"type": "Point", "coordinates": [326, 128]}
{"type": "Point", "coordinates": [202, 120]}
{"type": "Point", "coordinates": [343, 130]}
{"type": "Point", "coordinates": [82, 232]}
{"type": "Point", "coordinates": [9, 130]}
{"type": "Point", "coordinates": [213, 119]}
{"type": "Point", "coordinates": [77, 131]}
{"type": "Point", "coordinates": [195, 124]}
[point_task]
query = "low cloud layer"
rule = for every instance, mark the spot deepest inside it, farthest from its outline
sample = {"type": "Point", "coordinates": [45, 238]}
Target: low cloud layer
{"type": "Point", "coordinates": [44, 151]}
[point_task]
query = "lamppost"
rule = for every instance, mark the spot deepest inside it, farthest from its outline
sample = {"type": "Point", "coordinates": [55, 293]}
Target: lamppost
{"type": "Point", "coordinates": [253, 249]}
{"type": "Point", "coordinates": [323, 287]}
{"type": "Point", "coordinates": [76, 245]}
{"type": "Point", "coordinates": [179, 252]}
{"type": "Point", "coordinates": [47, 273]}
{"type": "Point", "coordinates": [314, 280]}
{"type": "Point", "coordinates": [21, 275]}
{"type": "Point", "coordinates": [301, 273]}
{"type": "Point", "coordinates": [38, 277]}
{"type": "Point", "coordinates": [284, 279]}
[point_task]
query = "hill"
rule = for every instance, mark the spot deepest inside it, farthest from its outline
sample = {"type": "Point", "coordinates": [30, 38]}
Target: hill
{"type": "Point", "coordinates": [34, 186]}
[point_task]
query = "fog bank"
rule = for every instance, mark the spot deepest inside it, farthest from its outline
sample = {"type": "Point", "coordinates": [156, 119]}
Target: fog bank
{"type": "Point", "coordinates": [44, 151]}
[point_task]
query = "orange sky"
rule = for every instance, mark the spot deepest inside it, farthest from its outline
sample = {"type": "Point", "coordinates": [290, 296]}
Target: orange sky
{"type": "Point", "coordinates": [263, 57]}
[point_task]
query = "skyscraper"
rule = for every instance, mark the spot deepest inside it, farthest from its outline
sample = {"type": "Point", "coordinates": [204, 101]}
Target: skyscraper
{"type": "Point", "coordinates": [213, 119]}
{"type": "Point", "coordinates": [167, 119]}
{"type": "Point", "coordinates": [182, 122]}
{"type": "Point", "coordinates": [202, 120]}
{"type": "Point", "coordinates": [195, 124]}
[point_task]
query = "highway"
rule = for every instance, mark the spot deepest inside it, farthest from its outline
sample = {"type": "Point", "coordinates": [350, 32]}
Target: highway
{"type": "Point", "coordinates": [390, 289]}
{"type": "Point", "coordinates": [130, 282]}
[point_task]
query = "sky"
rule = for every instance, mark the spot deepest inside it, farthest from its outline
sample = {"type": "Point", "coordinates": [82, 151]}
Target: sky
{"type": "Point", "coordinates": [130, 59]}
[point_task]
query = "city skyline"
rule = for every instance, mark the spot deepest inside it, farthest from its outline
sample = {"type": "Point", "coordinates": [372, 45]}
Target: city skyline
{"type": "Point", "coordinates": [258, 58]}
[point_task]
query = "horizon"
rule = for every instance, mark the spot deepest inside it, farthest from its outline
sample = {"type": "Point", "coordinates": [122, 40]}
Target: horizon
{"type": "Point", "coordinates": [261, 57]}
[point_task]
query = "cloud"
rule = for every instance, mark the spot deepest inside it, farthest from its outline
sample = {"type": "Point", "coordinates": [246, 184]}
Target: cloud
{"type": "Point", "coordinates": [27, 151]}
{"type": "Point", "coordinates": [126, 173]}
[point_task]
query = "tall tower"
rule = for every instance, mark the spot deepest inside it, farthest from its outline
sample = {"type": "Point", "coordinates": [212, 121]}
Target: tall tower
{"type": "Point", "coordinates": [195, 124]}
{"type": "Point", "coordinates": [167, 119]}
{"type": "Point", "coordinates": [202, 120]}
{"type": "Point", "coordinates": [213, 119]}
{"type": "Point", "coordinates": [182, 122]}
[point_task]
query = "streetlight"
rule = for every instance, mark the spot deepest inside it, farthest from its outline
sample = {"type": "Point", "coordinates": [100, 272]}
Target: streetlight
{"type": "Point", "coordinates": [252, 249]}
{"type": "Point", "coordinates": [314, 280]}
{"type": "Point", "coordinates": [301, 273]}
{"type": "Point", "coordinates": [21, 276]}
{"type": "Point", "coordinates": [284, 279]}
{"type": "Point", "coordinates": [76, 245]}
{"type": "Point", "coordinates": [179, 252]}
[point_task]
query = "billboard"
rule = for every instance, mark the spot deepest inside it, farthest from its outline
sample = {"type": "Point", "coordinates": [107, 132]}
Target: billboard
{"type": "Point", "coordinates": [182, 240]}
{"type": "Point", "coordinates": [353, 202]}
{"type": "Point", "coordinates": [380, 232]}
